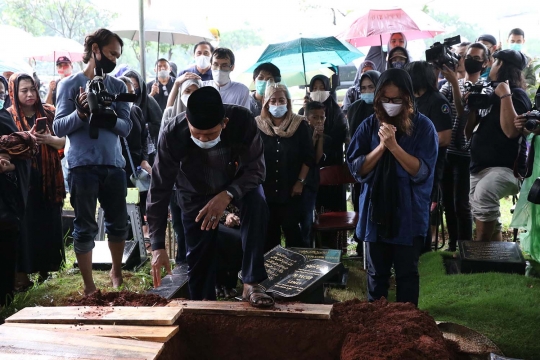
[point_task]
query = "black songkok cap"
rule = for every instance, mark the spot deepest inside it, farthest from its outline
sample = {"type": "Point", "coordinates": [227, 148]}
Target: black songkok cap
{"type": "Point", "coordinates": [205, 108]}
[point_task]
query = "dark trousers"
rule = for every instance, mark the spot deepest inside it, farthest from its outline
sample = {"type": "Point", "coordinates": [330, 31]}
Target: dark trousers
{"type": "Point", "coordinates": [202, 245]}
{"type": "Point", "coordinates": [9, 239]}
{"type": "Point", "coordinates": [178, 227]}
{"type": "Point", "coordinates": [380, 258]}
{"type": "Point", "coordinates": [307, 215]}
{"type": "Point", "coordinates": [286, 217]}
{"type": "Point", "coordinates": [229, 256]}
{"type": "Point", "coordinates": [455, 188]}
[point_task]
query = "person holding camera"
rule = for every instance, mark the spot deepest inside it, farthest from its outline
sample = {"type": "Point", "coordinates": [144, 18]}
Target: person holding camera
{"type": "Point", "coordinates": [527, 212]}
{"type": "Point", "coordinates": [455, 183]}
{"type": "Point", "coordinates": [497, 146]}
{"type": "Point", "coordinates": [96, 165]}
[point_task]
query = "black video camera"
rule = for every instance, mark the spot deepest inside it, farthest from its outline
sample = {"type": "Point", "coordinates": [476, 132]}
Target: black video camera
{"type": "Point", "coordinates": [440, 54]}
{"type": "Point", "coordinates": [102, 115]}
{"type": "Point", "coordinates": [478, 99]}
{"type": "Point", "coordinates": [533, 120]}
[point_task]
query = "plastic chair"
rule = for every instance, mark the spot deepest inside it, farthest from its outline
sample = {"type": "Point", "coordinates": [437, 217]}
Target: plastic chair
{"type": "Point", "coordinates": [335, 221]}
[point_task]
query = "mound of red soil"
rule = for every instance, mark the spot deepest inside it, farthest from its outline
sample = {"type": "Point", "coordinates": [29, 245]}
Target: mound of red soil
{"type": "Point", "coordinates": [121, 298]}
{"type": "Point", "coordinates": [357, 330]}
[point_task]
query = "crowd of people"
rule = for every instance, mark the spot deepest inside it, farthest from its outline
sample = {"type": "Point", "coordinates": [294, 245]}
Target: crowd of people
{"type": "Point", "coordinates": [237, 170]}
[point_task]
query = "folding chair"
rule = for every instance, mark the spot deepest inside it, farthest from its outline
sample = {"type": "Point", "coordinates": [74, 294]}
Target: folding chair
{"type": "Point", "coordinates": [338, 222]}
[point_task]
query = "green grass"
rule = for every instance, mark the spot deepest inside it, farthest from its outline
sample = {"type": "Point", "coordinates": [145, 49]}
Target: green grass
{"type": "Point", "coordinates": [68, 283]}
{"type": "Point", "coordinates": [504, 307]}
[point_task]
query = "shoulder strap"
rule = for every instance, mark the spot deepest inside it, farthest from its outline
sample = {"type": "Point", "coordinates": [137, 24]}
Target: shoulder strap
{"type": "Point", "coordinates": [129, 156]}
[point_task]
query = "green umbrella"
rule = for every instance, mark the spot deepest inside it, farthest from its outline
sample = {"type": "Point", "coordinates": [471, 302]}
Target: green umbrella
{"type": "Point", "coordinates": [305, 54]}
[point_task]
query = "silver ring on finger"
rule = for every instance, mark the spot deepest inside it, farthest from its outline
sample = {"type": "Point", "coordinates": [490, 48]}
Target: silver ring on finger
{"type": "Point", "coordinates": [213, 218]}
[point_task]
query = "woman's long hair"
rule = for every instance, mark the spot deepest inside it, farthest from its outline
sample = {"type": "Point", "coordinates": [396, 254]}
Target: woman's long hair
{"type": "Point", "coordinates": [403, 122]}
{"type": "Point", "coordinates": [512, 74]}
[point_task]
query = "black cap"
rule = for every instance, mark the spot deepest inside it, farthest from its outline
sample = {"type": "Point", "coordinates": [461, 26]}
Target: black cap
{"type": "Point", "coordinates": [516, 58]}
{"type": "Point", "coordinates": [62, 59]}
{"type": "Point", "coordinates": [205, 108]}
{"type": "Point", "coordinates": [489, 38]}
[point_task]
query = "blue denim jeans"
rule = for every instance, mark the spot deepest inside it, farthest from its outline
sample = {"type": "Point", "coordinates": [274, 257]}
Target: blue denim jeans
{"type": "Point", "coordinates": [88, 184]}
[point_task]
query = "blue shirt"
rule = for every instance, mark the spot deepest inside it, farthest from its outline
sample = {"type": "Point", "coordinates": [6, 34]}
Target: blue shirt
{"type": "Point", "coordinates": [414, 190]}
{"type": "Point", "coordinates": [204, 77]}
{"type": "Point", "coordinates": [106, 149]}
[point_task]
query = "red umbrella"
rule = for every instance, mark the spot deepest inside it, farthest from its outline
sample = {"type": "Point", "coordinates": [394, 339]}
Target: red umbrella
{"type": "Point", "coordinates": [374, 27]}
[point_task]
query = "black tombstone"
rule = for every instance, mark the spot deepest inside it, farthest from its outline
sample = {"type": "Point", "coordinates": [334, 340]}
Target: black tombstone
{"type": "Point", "coordinates": [490, 256]}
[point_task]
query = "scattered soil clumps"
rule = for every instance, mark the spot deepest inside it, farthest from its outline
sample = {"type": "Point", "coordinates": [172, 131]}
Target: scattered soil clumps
{"type": "Point", "coordinates": [120, 298]}
{"type": "Point", "coordinates": [357, 330]}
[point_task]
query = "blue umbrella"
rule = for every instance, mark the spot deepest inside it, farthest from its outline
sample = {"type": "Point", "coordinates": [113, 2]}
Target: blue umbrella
{"type": "Point", "coordinates": [305, 54]}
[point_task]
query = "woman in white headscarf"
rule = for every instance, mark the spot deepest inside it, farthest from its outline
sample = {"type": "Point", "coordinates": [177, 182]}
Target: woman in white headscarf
{"type": "Point", "coordinates": [182, 88]}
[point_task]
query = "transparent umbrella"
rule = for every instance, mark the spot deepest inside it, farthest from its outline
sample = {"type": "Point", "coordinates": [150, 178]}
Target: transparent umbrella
{"type": "Point", "coordinates": [162, 29]}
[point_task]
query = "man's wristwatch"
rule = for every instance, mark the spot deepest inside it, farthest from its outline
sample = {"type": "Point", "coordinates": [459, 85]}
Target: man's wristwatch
{"type": "Point", "coordinates": [302, 181]}
{"type": "Point", "coordinates": [230, 195]}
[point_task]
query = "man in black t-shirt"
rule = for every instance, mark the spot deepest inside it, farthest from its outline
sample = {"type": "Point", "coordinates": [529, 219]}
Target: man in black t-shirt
{"type": "Point", "coordinates": [437, 108]}
{"type": "Point", "coordinates": [497, 146]}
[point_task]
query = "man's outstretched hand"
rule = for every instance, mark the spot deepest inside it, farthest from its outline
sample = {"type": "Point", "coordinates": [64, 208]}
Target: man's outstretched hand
{"type": "Point", "coordinates": [159, 259]}
{"type": "Point", "coordinates": [212, 212]}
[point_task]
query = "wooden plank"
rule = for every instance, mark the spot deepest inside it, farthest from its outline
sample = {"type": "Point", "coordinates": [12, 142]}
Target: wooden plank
{"type": "Point", "coordinates": [42, 344]}
{"type": "Point", "coordinates": [291, 310]}
{"type": "Point", "coordinates": [119, 315]}
{"type": "Point", "coordinates": [144, 333]}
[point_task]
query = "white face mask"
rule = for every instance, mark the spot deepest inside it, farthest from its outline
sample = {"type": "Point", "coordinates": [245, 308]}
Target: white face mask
{"type": "Point", "coordinates": [203, 62]}
{"type": "Point", "coordinates": [221, 77]}
{"type": "Point", "coordinates": [319, 96]}
{"type": "Point", "coordinates": [163, 74]}
{"type": "Point", "coordinates": [392, 109]}
{"type": "Point", "coordinates": [206, 144]}
{"type": "Point", "coordinates": [185, 98]}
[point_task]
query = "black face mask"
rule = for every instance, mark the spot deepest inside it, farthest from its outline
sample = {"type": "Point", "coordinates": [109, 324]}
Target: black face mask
{"type": "Point", "coordinates": [104, 64]}
{"type": "Point", "coordinates": [473, 66]}
{"type": "Point", "coordinates": [138, 92]}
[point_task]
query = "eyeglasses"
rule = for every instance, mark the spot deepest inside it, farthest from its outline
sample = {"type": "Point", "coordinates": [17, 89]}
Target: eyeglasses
{"type": "Point", "coordinates": [165, 91]}
{"type": "Point", "coordinates": [2, 96]}
{"type": "Point", "coordinates": [392, 100]}
{"type": "Point", "coordinates": [223, 67]}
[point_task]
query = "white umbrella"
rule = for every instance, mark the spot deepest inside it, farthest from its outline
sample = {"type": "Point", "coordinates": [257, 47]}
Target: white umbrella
{"type": "Point", "coordinates": [162, 29]}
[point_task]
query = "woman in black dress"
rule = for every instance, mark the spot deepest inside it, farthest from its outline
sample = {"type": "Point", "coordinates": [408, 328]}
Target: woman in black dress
{"type": "Point", "coordinates": [41, 248]}
{"type": "Point", "coordinates": [288, 155]}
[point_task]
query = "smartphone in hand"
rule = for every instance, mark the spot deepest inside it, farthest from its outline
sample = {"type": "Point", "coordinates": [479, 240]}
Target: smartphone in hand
{"type": "Point", "coordinates": [41, 124]}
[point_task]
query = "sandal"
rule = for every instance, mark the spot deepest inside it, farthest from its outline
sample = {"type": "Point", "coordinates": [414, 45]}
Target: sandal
{"type": "Point", "coordinates": [256, 295]}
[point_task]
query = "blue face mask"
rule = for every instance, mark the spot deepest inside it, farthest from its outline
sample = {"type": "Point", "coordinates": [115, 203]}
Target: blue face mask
{"type": "Point", "coordinates": [2, 104]}
{"type": "Point", "coordinates": [206, 144]}
{"type": "Point", "coordinates": [260, 86]}
{"type": "Point", "coordinates": [515, 46]}
{"type": "Point", "coordinates": [397, 65]}
{"type": "Point", "coordinates": [367, 97]}
{"type": "Point", "coordinates": [277, 111]}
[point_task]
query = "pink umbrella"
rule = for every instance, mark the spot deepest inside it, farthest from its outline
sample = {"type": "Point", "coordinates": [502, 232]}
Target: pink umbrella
{"type": "Point", "coordinates": [50, 48]}
{"type": "Point", "coordinates": [375, 27]}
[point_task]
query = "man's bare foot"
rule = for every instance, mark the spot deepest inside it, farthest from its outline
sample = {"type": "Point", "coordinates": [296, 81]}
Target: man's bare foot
{"type": "Point", "coordinates": [116, 278]}
{"type": "Point", "coordinates": [89, 289]}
